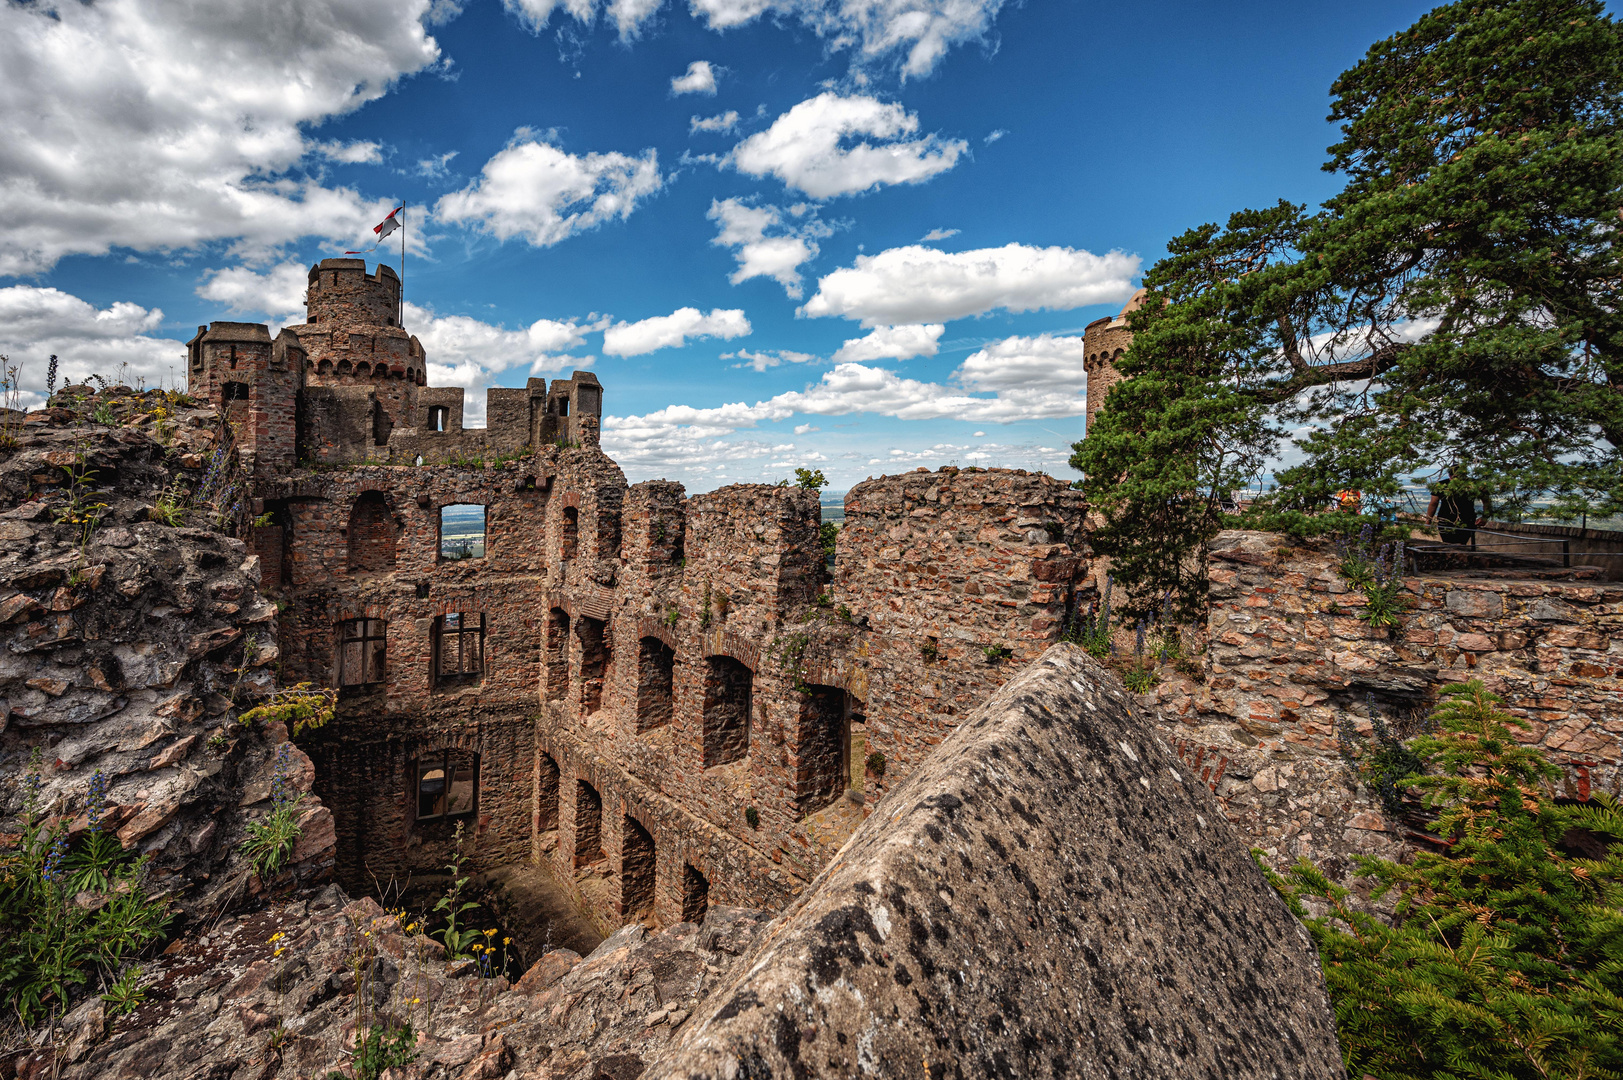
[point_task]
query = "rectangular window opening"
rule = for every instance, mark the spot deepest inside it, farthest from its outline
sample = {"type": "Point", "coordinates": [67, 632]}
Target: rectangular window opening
{"type": "Point", "coordinates": [447, 784]}
{"type": "Point", "coordinates": [362, 650]}
{"type": "Point", "coordinates": [459, 646]}
{"type": "Point", "coordinates": [462, 532]}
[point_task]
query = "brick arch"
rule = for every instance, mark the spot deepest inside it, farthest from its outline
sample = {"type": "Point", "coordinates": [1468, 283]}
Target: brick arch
{"type": "Point", "coordinates": [362, 611]}
{"type": "Point", "coordinates": [656, 628]}
{"type": "Point", "coordinates": [725, 643]}
{"type": "Point", "coordinates": [372, 533]}
{"type": "Point", "coordinates": [569, 498]}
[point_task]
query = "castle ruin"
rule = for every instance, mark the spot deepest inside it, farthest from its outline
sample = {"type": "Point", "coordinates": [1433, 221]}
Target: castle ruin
{"type": "Point", "coordinates": [674, 700]}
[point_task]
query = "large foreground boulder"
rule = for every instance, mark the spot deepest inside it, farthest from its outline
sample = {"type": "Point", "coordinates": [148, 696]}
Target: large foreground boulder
{"type": "Point", "coordinates": [1050, 894]}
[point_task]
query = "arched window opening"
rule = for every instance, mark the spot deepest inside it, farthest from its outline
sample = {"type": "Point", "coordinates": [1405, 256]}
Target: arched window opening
{"type": "Point", "coordinates": [459, 647]}
{"type": "Point", "coordinates": [371, 533]}
{"type": "Point", "coordinates": [438, 417]}
{"type": "Point", "coordinates": [588, 824]}
{"type": "Point", "coordinates": [608, 531]}
{"type": "Point", "coordinates": [822, 748]}
{"type": "Point", "coordinates": [462, 532]}
{"type": "Point", "coordinates": [571, 532]}
{"type": "Point", "coordinates": [695, 894]}
{"type": "Point", "coordinates": [546, 796]}
{"type": "Point", "coordinates": [557, 656]}
{"type": "Point", "coordinates": [594, 660]}
{"type": "Point", "coordinates": [656, 677]}
{"type": "Point", "coordinates": [636, 870]}
{"type": "Point", "coordinates": [728, 697]}
{"type": "Point", "coordinates": [447, 784]}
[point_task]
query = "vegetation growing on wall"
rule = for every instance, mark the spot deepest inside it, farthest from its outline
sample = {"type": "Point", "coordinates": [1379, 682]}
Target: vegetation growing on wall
{"type": "Point", "coordinates": [1503, 957]}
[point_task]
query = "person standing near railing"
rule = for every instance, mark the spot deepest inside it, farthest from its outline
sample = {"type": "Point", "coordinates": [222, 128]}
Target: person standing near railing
{"type": "Point", "coordinates": [1454, 511]}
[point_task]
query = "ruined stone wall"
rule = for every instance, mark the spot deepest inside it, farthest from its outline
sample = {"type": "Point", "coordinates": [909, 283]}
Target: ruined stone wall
{"type": "Point", "coordinates": [936, 569]}
{"type": "Point", "coordinates": [718, 604]}
{"type": "Point", "coordinates": [1289, 660]}
{"type": "Point", "coordinates": [365, 759]}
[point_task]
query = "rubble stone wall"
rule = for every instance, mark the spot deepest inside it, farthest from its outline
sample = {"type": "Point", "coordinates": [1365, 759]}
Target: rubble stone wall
{"type": "Point", "coordinates": [1289, 660]}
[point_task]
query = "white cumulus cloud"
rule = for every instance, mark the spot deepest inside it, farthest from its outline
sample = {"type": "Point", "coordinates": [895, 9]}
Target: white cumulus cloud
{"type": "Point", "coordinates": [744, 228]}
{"type": "Point", "coordinates": [726, 121]}
{"type": "Point", "coordinates": [938, 234]}
{"type": "Point", "coordinates": [915, 284]}
{"type": "Point", "coordinates": [629, 16]}
{"type": "Point", "coordinates": [919, 32]}
{"type": "Point", "coordinates": [165, 124]}
{"type": "Point", "coordinates": [117, 341]}
{"type": "Point", "coordinates": [810, 147]}
{"type": "Point", "coordinates": [1026, 363]}
{"type": "Point", "coordinates": [467, 352]}
{"type": "Point", "coordinates": [768, 358]}
{"type": "Point", "coordinates": [669, 331]}
{"type": "Point", "coordinates": [893, 343]}
{"type": "Point", "coordinates": [352, 153]}
{"type": "Point", "coordinates": [535, 190]}
{"type": "Point", "coordinates": [700, 78]}
{"type": "Point", "coordinates": [277, 294]}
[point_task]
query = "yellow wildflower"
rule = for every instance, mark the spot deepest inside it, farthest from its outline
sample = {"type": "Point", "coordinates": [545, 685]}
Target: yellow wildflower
{"type": "Point", "coordinates": [490, 933]}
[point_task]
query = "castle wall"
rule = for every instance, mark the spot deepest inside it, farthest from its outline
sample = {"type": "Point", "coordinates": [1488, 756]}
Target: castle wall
{"type": "Point", "coordinates": [363, 757]}
{"type": "Point", "coordinates": [1289, 661]}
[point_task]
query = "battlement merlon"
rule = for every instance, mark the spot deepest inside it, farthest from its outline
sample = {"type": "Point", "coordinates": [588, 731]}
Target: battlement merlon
{"type": "Point", "coordinates": [341, 293]}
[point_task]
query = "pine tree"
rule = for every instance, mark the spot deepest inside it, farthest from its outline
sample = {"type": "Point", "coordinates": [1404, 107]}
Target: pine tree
{"type": "Point", "coordinates": [1504, 959]}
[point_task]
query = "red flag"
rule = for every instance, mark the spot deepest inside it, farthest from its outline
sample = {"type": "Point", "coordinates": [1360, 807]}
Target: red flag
{"type": "Point", "coordinates": [382, 229]}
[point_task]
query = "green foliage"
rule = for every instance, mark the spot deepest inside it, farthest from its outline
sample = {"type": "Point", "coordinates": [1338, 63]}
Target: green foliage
{"type": "Point", "coordinates": [302, 707]}
{"type": "Point", "coordinates": [810, 479]}
{"type": "Point", "coordinates": [790, 653]}
{"type": "Point", "coordinates": [270, 842]}
{"type": "Point", "coordinates": [1385, 763]}
{"type": "Point", "coordinates": [929, 650]}
{"type": "Point", "coordinates": [1091, 629]}
{"type": "Point", "coordinates": [995, 653]}
{"type": "Point", "coordinates": [124, 994]}
{"type": "Point", "coordinates": [54, 944]}
{"type": "Point", "coordinates": [828, 537]}
{"type": "Point", "coordinates": [876, 763]}
{"type": "Point", "coordinates": [82, 508]}
{"type": "Point", "coordinates": [1455, 304]}
{"type": "Point", "coordinates": [265, 520]}
{"type": "Point", "coordinates": [11, 403]}
{"type": "Point", "coordinates": [843, 613]}
{"type": "Point", "coordinates": [380, 1048]}
{"type": "Point", "coordinates": [1503, 957]}
{"type": "Point", "coordinates": [451, 907]}
{"type": "Point", "coordinates": [752, 817]}
{"type": "Point", "coordinates": [671, 618]}
{"type": "Point", "coordinates": [170, 509]}
{"type": "Point", "coordinates": [1377, 572]}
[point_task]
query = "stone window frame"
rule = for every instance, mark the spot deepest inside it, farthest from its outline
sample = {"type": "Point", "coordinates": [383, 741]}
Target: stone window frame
{"type": "Point", "coordinates": [439, 418]}
{"type": "Point", "coordinates": [355, 664]}
{"type": "Point", "coordinates": [469, 648]}
{"type": "Point", "coordinates": [461, 767]}
{"type": "Point", "coordinates": [439, 533]}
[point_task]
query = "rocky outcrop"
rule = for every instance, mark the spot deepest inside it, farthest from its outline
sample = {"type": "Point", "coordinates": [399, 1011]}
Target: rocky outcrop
{"type": "Point", "coordinates": [131, 645]}
{"type": "Point", "coordinates": [1050, 894]}
{"type": "Point", "coordinates": [278, 994]}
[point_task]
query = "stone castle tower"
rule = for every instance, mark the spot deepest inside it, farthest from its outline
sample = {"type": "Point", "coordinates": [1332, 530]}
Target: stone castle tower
{"type": "Point", "coordinates": [1103, 342]}
{"type": "Point", "coordinates": [350, 385]}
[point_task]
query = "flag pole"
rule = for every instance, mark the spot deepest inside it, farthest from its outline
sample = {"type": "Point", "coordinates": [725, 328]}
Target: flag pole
{"type": "Point", "coordinates": [402, 319]}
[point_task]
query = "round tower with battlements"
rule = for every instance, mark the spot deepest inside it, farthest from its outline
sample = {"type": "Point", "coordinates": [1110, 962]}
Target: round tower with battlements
{"type": "Point", "coordinates": [352, 338]}
{"type": "Point", "coordinates": [1103, 342]}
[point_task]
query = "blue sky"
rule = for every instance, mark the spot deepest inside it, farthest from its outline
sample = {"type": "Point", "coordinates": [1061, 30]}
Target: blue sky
{"type": "Point", "coordinates": [860, 235]}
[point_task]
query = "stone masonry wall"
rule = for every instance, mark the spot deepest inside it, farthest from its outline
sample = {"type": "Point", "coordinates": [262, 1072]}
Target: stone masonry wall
{"type": "Point", "coordinates": [1289, 661]}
